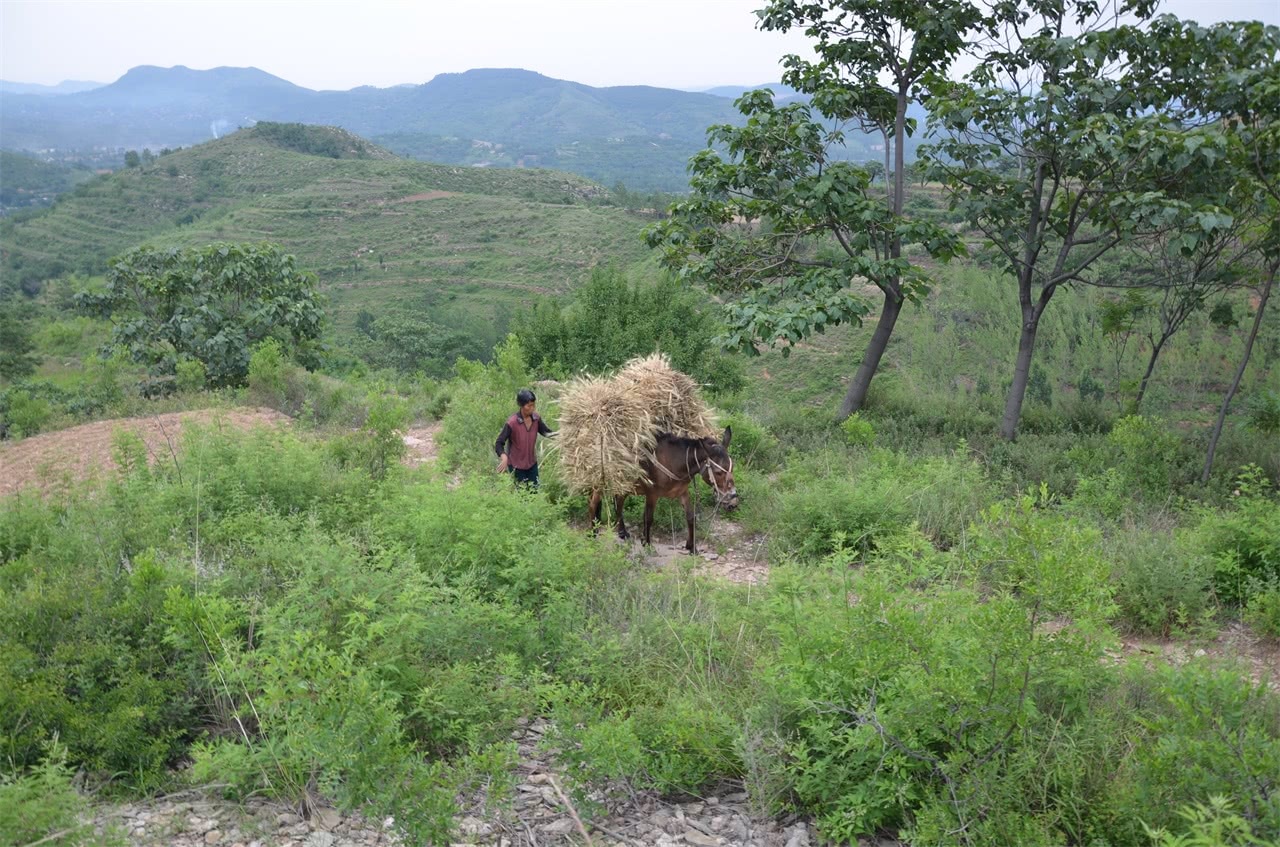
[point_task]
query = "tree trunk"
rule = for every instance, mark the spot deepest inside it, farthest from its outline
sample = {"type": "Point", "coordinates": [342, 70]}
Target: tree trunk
{"type": "Point", "coordinates": [1235, 383]}
{"type": "Point", "coordinates": [857, 393]}
{"type": "Point", "coordinates": [888, 179]}
{"type": "Point", "coordinates": [1146, 377]}
{"type": "Point", "coordinates": [893, 299]}
{"type": "Point", "coordinates": [1021, 372]}
{"type": "Point", "coordinates": [899, 156]}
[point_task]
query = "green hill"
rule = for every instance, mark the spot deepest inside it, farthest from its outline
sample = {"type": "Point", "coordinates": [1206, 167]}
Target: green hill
{"type": "Point", "coordinates": [27, 182]}
{"type": "Point", "coordinates": [377, 229]}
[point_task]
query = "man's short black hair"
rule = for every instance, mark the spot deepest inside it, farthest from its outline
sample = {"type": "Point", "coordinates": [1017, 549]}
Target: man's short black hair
{"type": "Point", "coordinates": [523, 396]}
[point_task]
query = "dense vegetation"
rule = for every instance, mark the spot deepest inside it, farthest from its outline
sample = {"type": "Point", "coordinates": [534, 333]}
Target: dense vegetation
{"type": "Point", "coordinates": [27, 182]}
{"type": "Point", "coordinates": [959, 641]}
{"type": "Point", "coordinates": [933, 650]}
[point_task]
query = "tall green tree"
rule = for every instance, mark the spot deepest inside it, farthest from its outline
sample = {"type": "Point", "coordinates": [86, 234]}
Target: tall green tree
{"type": "Point", "coordinates": [1228, 77]}
{"type": "Point", "coordinates": [212, 304]}
{"type": "Point", "coordinates": [611, 319]}
{"type": "Point", "coordinates": [1057, 149]}
{"type": "Point", "coordinates": [16, 360]}
{"type": "Point", "coordinates": [788, 230]}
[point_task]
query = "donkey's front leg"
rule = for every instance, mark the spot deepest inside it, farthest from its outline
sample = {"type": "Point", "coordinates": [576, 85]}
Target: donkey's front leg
{"type": "Point", "coordinates": [650, 502]}
{"type": "Point", "coordinates": [619, 501]}
{"type": "Point", "coordinates": [688, 517]}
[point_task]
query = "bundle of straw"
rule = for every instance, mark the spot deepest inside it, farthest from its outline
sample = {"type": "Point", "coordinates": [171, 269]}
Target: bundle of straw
{"type": "Point", "coordinates": [672, 398]}
{"type": "Point", "coordinates": [604, 434]}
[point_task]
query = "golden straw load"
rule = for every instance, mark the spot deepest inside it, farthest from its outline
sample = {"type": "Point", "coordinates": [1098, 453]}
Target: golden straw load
{"type": "Point", "coordinates": [672, 398]}
{"type": "Point", "coordinates": [605, 431]}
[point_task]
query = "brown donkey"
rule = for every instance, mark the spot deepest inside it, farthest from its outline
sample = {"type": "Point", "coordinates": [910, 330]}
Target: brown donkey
{"type": "Point", "coordinates": [676, 463]}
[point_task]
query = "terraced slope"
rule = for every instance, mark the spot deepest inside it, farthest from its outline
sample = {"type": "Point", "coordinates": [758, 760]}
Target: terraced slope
{"type": "Point", "coordinates": [374, 227]}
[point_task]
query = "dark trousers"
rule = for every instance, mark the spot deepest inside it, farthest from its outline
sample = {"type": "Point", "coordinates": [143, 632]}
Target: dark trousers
{"type": "Point", "coordinates": [527, 477]}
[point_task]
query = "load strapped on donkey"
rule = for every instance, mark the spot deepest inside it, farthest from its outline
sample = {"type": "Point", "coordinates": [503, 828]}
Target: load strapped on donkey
{"type": "Point", "coordinates": [647, 431]}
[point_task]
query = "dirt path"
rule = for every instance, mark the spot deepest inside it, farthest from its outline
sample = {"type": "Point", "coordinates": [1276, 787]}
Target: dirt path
{"type": "Point", "coordinates": [57, 459]}
{"type": "Point", "coordinates": [420, 444]}
{"type": "Point", "coordinates": [729, 552]}
{"type": "Point", "coordinates": [539, 813]}
{"type": "Point", "coordinates": [1234, 643]}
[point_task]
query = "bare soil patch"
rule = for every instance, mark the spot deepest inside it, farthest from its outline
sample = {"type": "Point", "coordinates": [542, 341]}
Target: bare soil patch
{"type": "Point", "coordinates": [420, 444]}
{"type": "Point", "coordinates": [1235, 643]}
{"type": "Point", "coordinates": [55, 459]}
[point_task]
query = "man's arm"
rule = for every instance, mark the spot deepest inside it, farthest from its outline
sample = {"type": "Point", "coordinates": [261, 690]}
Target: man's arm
{"type": "Point", "coordinates": [543, 429]}
{"type": "Point", "coordinates": [503, 445]}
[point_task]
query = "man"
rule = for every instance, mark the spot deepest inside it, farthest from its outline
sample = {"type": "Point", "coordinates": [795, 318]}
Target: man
{"type": "Point", "coordinates": [519, 436]}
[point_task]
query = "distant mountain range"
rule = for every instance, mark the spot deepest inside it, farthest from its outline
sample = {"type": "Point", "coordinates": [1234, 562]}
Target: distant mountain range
{"type": "Point", "coordinates": [69, 86]}
{"type": "Point", "coordinates": [640, 135]}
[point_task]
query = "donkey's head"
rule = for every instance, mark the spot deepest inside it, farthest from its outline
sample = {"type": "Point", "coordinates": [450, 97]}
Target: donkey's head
{"type": "Point", "coordinates": [717, 470]}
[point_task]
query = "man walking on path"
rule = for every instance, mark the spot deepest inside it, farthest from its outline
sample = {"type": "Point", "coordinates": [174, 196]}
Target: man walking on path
{"type": "Point", "coordinates": [519, 436]}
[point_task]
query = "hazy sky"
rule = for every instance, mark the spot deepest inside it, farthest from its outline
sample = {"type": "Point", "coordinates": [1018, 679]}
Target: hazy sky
{"type": "Point", "coordinates": [340, 44]}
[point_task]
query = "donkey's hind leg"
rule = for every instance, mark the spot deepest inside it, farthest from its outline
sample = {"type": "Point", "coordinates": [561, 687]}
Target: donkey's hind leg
{"type": "Point", "coordinates": [593, 511]}
{"type": "Point", "coordinates": [650, 501]}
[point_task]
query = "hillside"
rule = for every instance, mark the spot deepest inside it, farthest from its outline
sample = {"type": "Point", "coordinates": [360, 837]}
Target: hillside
{"type": "Point", "coordinates": [27, 182]}
{"type": "Point", "coordinates": [374, 227]}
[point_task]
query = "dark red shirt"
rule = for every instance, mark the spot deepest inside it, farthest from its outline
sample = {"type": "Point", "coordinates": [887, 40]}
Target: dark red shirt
{"type": "Point", "coordinates": [518, 441]}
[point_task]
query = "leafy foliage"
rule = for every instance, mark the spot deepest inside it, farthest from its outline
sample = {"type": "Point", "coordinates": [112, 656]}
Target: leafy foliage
{"type": "Point", "coordinates": [212, 305]}
{"type": "Point", "coordinates": [43, 807]}
{"type": "Point", "coordinates": [611, 319]}
{"type": "Point", "coordinates": [756, 226]}
{"type": "Point", "coordinates": [16, 345]}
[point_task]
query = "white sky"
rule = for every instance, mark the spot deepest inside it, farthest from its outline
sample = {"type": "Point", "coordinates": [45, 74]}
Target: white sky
{"type": "Point", "coordinates": [340, 44]}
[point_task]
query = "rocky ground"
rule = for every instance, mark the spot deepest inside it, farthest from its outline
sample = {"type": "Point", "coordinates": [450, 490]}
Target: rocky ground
{"type": "Point", "coordinates": [539, 815]}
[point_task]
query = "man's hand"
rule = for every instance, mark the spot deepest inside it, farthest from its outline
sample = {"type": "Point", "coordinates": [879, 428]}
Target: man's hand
{"type": "Point", "coordinates": [502, 464]}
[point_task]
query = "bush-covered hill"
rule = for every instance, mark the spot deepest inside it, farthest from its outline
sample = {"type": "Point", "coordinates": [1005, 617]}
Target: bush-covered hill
{"type": "Point", "coordinates": [27, 182]}
{"type": "Point", "coordinates": [367, 222]}
{"type": "Point", "coordinates": [934, 656]}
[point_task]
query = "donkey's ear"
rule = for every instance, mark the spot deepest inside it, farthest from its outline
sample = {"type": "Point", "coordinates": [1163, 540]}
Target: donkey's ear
{"type": "Point", "coordinates": [728, 436]}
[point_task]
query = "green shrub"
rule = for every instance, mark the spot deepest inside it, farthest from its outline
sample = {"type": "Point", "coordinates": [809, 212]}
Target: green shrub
{"type": "Point", "coordinates": [753, 444]}
{"type": "Point", "coordinates": [472, 704]}
{"type": "Point", "coordinates": [677, 746]}
{"type": "Point", "coordinates": [862, 499]}
{"type": "Point", "coordinates": [1264, 412]}
{"type": "Point", "coordinates": [1215, 824]}
{"type": "Point", "coordinates": [857, 431]}
{"type": "Point", "coordinates": [1263, 612]}
{"type": "Point", "coordinates": [1138, 458]}
{"type": "Point", "coordinates": [925, 704]}
{"type": "Point", "coordinates": [1035, 459]}
{"type": "Point", "coordinates": [42, 807]}
{"type": "Point", "coordinates": [83, 660]}
{"type": "Point", "coordinates": [269, 377]}
{"type": "Point", "coordinates": [25, 414]}
{"type": "Point", "coordinates": [378, 445]}
{"type": "Point", "coordinates": [1244, 541]}
{"type": "Point", "coordinates": [1043, 556]}
{"type": "Point", "coordinates": [1163, 584]}
{"type": "Point", "coordinates": [1210, 730]}
{"type": "Point", "coordinates": [489, 536]}
{"type": "Point", "coordinates": [325, 724]}
{"type": "Point", "coordinates": [192, 375]}
{"type": "Point", "coordinates": [612, 319]}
